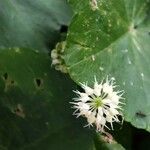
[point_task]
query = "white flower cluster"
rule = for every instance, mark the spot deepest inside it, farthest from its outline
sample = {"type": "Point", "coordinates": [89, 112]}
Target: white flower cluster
{"type": "Point", "coordinates": [100, 104]}
{"type": "Point", "coordinates": [57, 60]}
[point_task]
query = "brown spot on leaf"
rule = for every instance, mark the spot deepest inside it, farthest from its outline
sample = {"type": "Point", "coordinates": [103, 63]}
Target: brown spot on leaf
{"type": "Point", "coordinates": [8, 81]}
{"type": "Point", "coordinates": [19, 111]}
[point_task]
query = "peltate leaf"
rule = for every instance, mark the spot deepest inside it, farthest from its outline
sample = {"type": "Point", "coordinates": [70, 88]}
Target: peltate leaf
{"type": "Point", "coordinates": [112, 38]}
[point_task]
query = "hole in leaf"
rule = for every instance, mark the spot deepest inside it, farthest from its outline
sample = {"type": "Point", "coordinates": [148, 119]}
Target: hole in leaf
{"type": "Point", "coordinates": [38, 82]}
{"type": "Point", "coordinates": [5, 75]}
{"type": "Point", "coordinates": [17, 110]}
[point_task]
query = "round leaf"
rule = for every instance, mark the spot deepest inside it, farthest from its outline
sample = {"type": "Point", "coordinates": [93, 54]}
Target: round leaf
{"type": "Point", "coordinates": [111, 38]}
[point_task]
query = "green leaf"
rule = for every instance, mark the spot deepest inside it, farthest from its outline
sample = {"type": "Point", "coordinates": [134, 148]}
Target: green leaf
{"type": "Point", "coordinates": [34, 104]}
{"type": "Point", "coordinates": [104, 143]}
{"type": "Point", "coordinates": [124, 135]}
{"type": "Point", "coordinates": [33, 24]}
{"type": "Point", "coordinates": [113, 40]}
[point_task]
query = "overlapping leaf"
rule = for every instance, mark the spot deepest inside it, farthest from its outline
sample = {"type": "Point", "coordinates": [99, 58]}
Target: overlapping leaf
{"type": "Point", "coordinates": [113, 39]}
{"type": "Point", "coordinates": [34, 105]}
{"type": "Point", "coordinates": [33, 24]}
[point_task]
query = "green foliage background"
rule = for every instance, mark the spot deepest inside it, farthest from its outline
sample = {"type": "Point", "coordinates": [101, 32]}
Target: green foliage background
{"type": "Point", "coordinates": [35, 112]}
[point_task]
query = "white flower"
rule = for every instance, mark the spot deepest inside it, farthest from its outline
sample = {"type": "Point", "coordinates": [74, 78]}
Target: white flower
{"type": "Point", "coordinates": [100, 104]}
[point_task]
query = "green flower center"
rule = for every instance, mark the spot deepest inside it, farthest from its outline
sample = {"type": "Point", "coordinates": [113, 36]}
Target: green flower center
{"type": "Point", "coordinates": [97, 102]}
